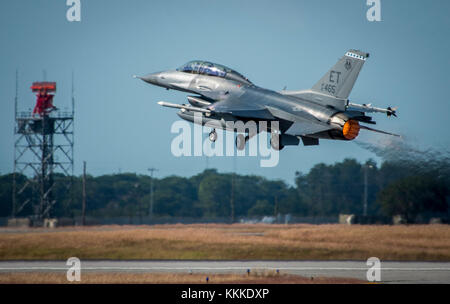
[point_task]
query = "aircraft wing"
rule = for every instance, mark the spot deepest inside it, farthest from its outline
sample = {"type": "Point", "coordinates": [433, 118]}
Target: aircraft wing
{"type": "Point", "coordinates": [300, 125]}
{"type": "Point", "coordinates": [241, 109]}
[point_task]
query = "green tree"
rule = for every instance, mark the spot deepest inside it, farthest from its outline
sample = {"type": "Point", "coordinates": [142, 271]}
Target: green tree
{"type": "Point", "coordinates": [214, 195]}
{"type": "Point", "coordinates": [175, 196]}
{"type": "Point", "coordinates": [415, 196]}
{"type": "Point", "coordinates": [261, 207]}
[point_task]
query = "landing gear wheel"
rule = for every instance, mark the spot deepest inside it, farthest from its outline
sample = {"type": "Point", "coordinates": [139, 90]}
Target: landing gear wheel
{"type": "Point", "coordinates": [275, 142]}
{"type": "Point", "coordinates": [240, 142]}
{"type": "Point", "coordinates": [213, 135]}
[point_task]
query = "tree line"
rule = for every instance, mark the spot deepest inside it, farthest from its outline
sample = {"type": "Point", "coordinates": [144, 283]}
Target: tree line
{"type": "Point", "coordinates": [414, 190]}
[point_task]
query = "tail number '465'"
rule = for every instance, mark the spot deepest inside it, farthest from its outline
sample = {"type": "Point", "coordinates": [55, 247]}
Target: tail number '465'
{"type": "Point", "coordinates": [328, 88]}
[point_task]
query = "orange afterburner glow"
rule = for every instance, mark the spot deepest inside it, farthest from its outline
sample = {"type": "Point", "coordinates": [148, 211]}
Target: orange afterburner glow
{"type": "Point", "coordinates": [351, 129]}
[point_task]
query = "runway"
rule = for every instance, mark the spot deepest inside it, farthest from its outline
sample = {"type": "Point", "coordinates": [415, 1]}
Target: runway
{"type": "Point", "coordinates": [391, 272]}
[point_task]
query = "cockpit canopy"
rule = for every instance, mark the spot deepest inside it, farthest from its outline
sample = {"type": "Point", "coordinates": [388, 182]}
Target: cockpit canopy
{"type": "Point", "coordinates": [212, 69]}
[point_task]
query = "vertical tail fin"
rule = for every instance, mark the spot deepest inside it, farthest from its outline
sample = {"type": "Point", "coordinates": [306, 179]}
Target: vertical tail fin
{"type": "Point", "coordinates": [339, 80]}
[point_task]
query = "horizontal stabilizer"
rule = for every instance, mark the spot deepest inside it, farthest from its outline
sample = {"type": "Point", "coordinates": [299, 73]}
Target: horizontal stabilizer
{"type": "Point", "coordinates": [379, 131]}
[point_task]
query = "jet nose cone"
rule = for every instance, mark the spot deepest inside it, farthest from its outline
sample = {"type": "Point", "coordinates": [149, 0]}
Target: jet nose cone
{"type": "Point", "coordinates": [151, 78]}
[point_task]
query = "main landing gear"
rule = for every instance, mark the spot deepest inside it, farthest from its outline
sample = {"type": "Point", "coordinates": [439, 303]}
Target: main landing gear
{"type": "Point", "coordinates": [213, 135]}
{"type": "Point", "coordinates": [242, 140]}
{"type": "Point", "coordinates": [275, 141]}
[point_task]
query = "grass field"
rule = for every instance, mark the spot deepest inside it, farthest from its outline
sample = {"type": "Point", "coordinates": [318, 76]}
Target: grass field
{"type": "Point", "coordinates": [229, 242]}
{"type": "Point", "coordinates": [164, 278]}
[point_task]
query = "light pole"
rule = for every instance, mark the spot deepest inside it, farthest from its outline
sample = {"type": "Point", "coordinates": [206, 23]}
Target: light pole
{"type": "Point", "coordinates": [136, 188]}
{"type": "Point", "coordinates": [83, 208]}
{"type": "Point", "coordinates": [366, 169]}
{"type": "Point", "coordinates": [150, 211]}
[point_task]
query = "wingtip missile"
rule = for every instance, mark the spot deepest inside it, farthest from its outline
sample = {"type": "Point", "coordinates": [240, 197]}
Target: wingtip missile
{"type": "Point", "coordinates": [391, 111]}
{"type": "Point", "coordinates": [183, 107]}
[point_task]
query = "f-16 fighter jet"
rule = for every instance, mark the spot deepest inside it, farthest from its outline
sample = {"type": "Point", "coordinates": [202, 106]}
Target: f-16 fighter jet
{"type": "Point", "coordinates": [221, 94]}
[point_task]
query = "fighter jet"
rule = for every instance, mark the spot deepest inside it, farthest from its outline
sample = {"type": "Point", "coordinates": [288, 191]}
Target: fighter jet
{"type": "Point", "coordinates": [220, 94]}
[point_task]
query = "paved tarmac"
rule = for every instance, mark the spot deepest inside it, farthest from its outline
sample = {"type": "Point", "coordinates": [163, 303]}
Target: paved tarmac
{"type": "Point", "coordinates": [391, 272]}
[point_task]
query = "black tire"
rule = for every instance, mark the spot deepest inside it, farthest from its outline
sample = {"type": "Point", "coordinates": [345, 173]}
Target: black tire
{"type": "Point", "coordinates": [213, 136]}
{"type": "Point", "coordinates": [240, 142]}
{"type": "Point", "coordinates": [275, 143]}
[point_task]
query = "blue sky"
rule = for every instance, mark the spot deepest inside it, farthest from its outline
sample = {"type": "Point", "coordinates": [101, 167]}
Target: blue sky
{"type": "Point", "coordinates": [119, 126]}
